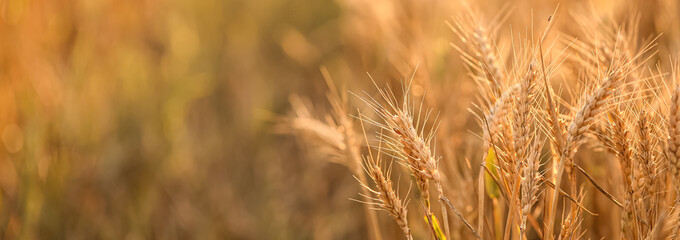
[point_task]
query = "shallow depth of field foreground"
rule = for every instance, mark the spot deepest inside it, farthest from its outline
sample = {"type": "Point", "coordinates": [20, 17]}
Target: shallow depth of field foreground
{"type": "Point", "coordinates": [339, 119]}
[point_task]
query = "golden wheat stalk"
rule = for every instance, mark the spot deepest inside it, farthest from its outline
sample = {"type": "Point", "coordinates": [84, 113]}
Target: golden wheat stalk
{"type": "Point", "coordinates": [409, 144]}
{"type": "Point", "coordinates": [581, 122]}
{"type": "Point", "coordinates": [386, 197]}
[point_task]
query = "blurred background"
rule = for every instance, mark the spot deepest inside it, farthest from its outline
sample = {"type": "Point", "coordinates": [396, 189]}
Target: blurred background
{"type": "Point", "coordinates": [159, 119]}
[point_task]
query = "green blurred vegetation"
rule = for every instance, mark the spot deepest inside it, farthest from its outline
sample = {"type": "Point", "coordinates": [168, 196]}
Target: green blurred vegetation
{"type": "Point", "coordinates": [145, 119]}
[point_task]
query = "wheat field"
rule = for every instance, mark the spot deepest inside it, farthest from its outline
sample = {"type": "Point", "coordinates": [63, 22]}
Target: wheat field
{"type": "Point", "coordinates": [339, 119]}
{"type": "Point", "coordinates": [538, 123]}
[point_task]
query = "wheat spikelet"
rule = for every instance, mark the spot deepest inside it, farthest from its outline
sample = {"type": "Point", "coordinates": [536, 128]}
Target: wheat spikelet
{"type": "Point", "coordinates": [411, 146]}
{"type": "Point", "coordinates": [644, 178]}
{"type": "Point", "coordinates": [480, 53]}
{"type": "Point", "coordinates": [385, 196]}
{"type": "Point", "coordinates": [673, 143]}
{"type": "Point", "coordinates": [618, 130]}
{"type": "Point", "coordinates": [406, 142]}
{"type": "Point", "coordinates": [585, 117]}
{"type": "Point", "coordinates": [645, 153]}
{"type": "Point", "coordinates": [654, 164]}
{"type": "Point", "coordinates": [521, 112]}
{"type": "Point", "coordinates": [495, 131]}
{"type": "Point", "coordinates": [529, 183]}
{"type": "Point", "coordinates": [618, 140]}
{"type": "Point", "coordinates": [581, 122]}
{"type": "Point", "coordinates": [489, 56]}
{"type": "Point", "coordinates": [527, 155]}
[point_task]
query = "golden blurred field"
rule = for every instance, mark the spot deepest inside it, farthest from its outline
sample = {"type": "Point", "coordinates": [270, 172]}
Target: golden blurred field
{"type": "Point", "coordinates": [166, 119]}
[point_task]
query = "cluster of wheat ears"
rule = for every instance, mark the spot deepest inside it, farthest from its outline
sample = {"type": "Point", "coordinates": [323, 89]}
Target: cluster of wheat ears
{"type": "Point", "coordinates": [537, 109]}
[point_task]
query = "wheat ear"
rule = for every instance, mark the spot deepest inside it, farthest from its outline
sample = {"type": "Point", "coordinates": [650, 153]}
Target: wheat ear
{"type": "Point", "coordinates": [673, 143]}
{"type": "Point", "coordinates": [584, 118]}
{"type": "Point", "coordinates": [385, 197]}
{"type": "Point", "coordinates": [409, 144]}
{"type": "Point", "coordinates": [529, 183]}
